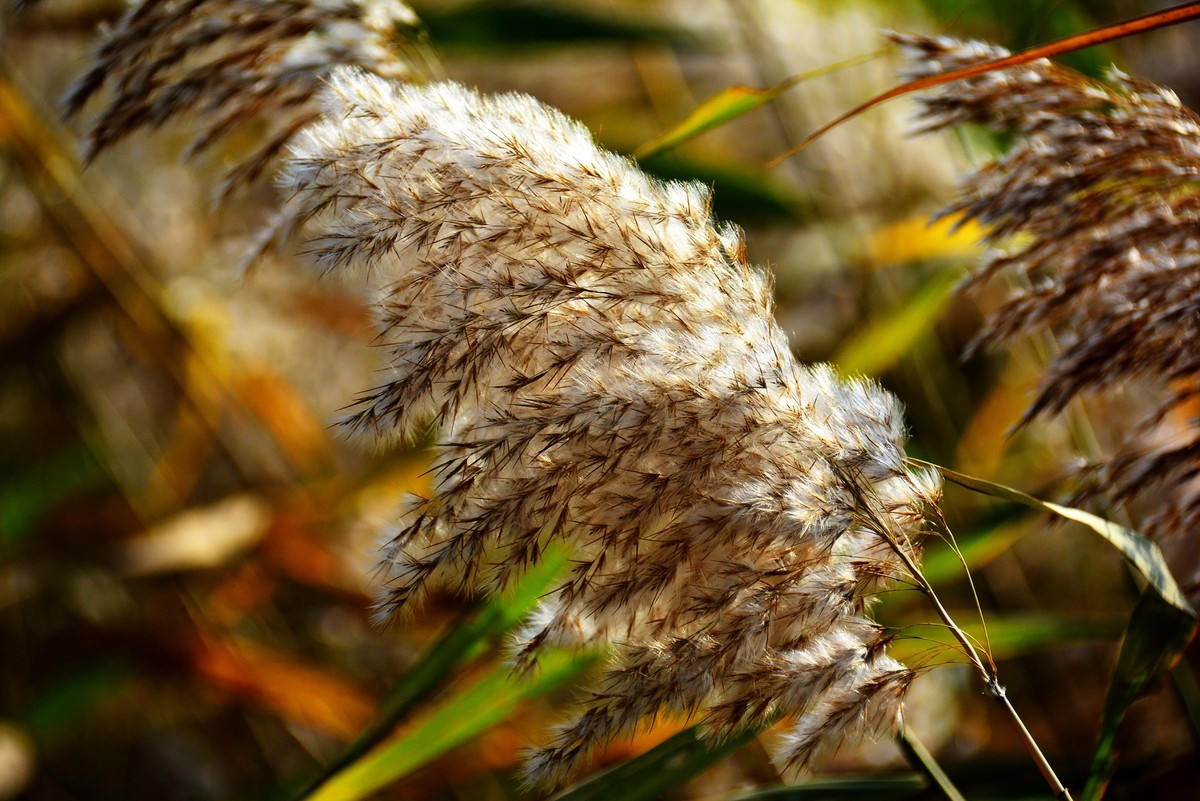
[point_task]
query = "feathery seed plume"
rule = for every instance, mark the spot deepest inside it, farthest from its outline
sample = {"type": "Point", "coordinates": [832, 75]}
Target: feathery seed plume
{"type": "Point", "coordinates": [602, 368]}
{"type": "Point", "coordinates": [227, 62]}
{"type": "Point", "coordinates": [1097, 204]}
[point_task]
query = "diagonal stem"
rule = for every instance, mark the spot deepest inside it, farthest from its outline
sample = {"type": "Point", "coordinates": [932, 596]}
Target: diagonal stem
{"type": "Point", "coordinates": [904, 552]}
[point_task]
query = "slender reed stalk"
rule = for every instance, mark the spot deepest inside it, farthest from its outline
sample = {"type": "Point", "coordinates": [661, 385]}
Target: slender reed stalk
{"type": "Point", "coordinates": [898, 541]}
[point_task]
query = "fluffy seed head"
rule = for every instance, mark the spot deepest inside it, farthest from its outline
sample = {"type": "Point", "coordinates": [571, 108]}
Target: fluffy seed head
{"type": "Point", "coordinates": [227, 62]}
{"type": "Point", "coordinates": [1096, 207]}
{"type": "Point", "coordinates": [602, 368]}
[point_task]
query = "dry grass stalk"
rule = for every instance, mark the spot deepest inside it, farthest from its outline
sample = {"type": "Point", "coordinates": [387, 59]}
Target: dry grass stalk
{"type": "Point", "coordinates": [1097, 204]}
{"type": "Point", "coordinates": [226, 63]}
{"type": "Point", "coordinates": [602, 368]}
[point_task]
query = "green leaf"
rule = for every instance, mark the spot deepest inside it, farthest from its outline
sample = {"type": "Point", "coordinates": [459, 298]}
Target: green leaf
{"type": "Point", "coordinates": [463, 643]}
{"type": "Point", "coordinates": [733, 102]}
{"type": "Point", "coordinates": [59, 709]}
{"type": "Point", "coordinates": [1010, 636]}
{"type": "Point", "coordinates": [1142, 554]}
{"type": "Point", "coordinates": [1188, 691]}
{"type": "Point", "coordinates": [511, 24]}
{"type": "Point", "coordinates": [1160, 627]}
{"type": "Point", "coordinates": [26, 498]}
{"type": "Point", "coordinates": [1157, 634]}
{"type": "Point", "coordinates": [728, 104]}
{"type": "Point", "coordinates": [876, 788]}
{"type": "Point", "coordinates": [880, 344]}
{"type": "Point", "coordinates": [669, 764]}
{"type": "Point", "coordinates": [468, 639]}
{"type": "Point", "coordinates": [739, 195]}
{"type": "Point", "coordinates": [471, 711]}
{"type": "Point", "coordinates": [919, 757]}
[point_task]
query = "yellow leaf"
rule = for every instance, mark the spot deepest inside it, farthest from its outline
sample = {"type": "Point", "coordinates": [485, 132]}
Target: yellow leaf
{"type": "Point", "coordinates": [733, 102]}
{"type": "Point", "coordinates": [918, 239]}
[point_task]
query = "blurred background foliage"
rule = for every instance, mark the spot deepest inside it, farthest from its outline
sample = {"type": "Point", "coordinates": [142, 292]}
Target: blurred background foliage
{"type": "Point", "coordinates": [186, 544]}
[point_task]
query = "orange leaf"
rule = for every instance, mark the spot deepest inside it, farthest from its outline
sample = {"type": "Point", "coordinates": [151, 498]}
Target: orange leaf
{"type": "Point", "coordinates": [299, 694]}
{"type": "Point", "coordinates": [276, 403]}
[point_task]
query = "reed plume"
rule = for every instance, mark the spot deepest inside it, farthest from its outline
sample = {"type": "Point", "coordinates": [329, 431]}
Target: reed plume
{"type": "Point", "coordinates": [602, 368]}
{"type": "Point", "coordinates": [226, 63]}
{"type": "Point", "coordinates": [1096, 206]}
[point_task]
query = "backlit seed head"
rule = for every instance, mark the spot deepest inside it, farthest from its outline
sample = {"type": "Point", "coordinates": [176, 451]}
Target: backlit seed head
{"type": "Point", "coordinates": [602, 368]}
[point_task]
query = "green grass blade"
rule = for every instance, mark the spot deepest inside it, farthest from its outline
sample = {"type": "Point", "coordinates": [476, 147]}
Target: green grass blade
{"type": "Point", "coordinates": [881, 343]}
{"type": "Point", "coordinates": [465, 641]}
{"type": "Point", "coordinates": [728, 104]}
{"type": "Point", "coordinates": [979, 547]}
{"type": "Point", "coordinates": [919, 757]}
{"type": "Point", "coordinates": [1160, 627]}
{"type": "Point", "coordinates": [739, 194]}
{"type": "Point", "coordinates": [1142, 554]}
{"type": "Point", "coordinates": [1188, 691]}
{"type": "Point", "coordinates": [473, 710]}
{"type": "Point", "coordinates": [24, 499]}
{"type": "Point", "coordinates": [513, 24]}
{"type": "Point", "coordinates": [58, 711]}
{"type": "Point", "coordinates": [733, 102]}
{"type": "Point", "coordinates": [468, 639]}
{"type": "Point", "coordinates": [1010, 636]}
{"type": "Point", "coordinates": [647, 776]}
{"type": "Point", "coordinates": [1157, 634]}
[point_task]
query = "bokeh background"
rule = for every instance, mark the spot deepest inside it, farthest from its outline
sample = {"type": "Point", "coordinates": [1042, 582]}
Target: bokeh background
{"type": "Point", "coordinates": [187, 543]}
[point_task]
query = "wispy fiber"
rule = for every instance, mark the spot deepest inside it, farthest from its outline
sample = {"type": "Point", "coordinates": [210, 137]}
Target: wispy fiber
{"type": "Point", "coordinates": [225, 63]}
{"type": "Point", "coordinates": [602, 368]}
{"type": "Point", "coordinates": [1097, 205]}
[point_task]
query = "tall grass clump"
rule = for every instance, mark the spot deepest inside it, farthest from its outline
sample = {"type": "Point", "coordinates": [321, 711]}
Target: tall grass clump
{"type": "Point", "coordinates": [228, 63]}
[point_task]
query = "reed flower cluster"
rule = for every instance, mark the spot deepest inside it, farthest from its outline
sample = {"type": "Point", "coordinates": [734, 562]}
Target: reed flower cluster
{"type": "Point", "coordinates": [597, 361]}
{"type": "Point", "coordinates": [601, 368]}
{"type": "Point", "coordinates": [225, 63]}
{"type": "Point", "coordinates": [1095, 206]}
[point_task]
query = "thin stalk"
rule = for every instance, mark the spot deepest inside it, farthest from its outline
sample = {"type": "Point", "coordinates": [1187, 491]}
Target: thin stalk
{"type": "Point", "coordinates": [1038, 757]}
{"type": "Point", "coordinates": [916, 752]}
{"type": "Point", "coordinates": [990, 681]}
